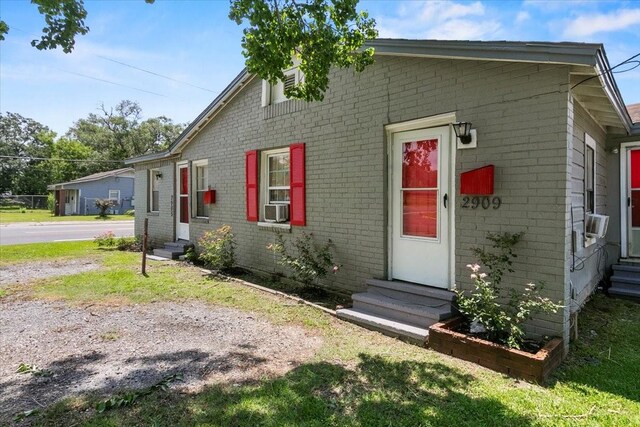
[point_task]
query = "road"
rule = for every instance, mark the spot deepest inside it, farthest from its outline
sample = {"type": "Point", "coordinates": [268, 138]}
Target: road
{"type": "Point", "coordinates": [33, 232]}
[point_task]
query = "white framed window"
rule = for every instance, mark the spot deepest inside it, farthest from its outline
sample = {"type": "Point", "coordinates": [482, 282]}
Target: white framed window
{"type": "Point", "coordinates": [275, 173]}
{"type": "Point", "coordinates": [589, 182]}
{"type": "Point", "coordinates": [200, 186]}
{"type": "Point", "coordinates": [273, 94]}
{"type": "Point", "coordinates": [114, 195]}
{"type": "Point", "coordinates": [154, 190]}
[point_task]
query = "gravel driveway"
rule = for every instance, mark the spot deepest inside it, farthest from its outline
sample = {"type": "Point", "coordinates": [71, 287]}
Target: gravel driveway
{"type": "Point", "coordinates": [107, 349]}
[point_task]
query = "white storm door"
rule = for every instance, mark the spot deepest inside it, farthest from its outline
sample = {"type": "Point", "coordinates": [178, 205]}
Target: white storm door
{"type": "Point", "coordinates": [420, 203]}
{"type": "Point", "coordinates": [182, 201]}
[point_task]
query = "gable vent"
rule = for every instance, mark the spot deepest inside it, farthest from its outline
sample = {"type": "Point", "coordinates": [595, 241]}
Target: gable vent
{"type": "Point", "coordinates": [289, 81]}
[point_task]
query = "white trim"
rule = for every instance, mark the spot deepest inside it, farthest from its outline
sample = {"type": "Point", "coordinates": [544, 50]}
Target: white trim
{"type": "Point", "coordinates": [151, 179]}
{"type": "Point", "coordinates": [445, 119]}
{"type": "Point", "coordinates": [425, 122]}
{"type": "Point", "coordinates": [283, 225]}
{"type": "Point", "coordinates": [194, 186]}
{"type": "Point", "coordinates": [625, 147]}
{"type": "Point", "coordinates": [264, 177]}
{"type": "Point", "coordinates": [589, 142]}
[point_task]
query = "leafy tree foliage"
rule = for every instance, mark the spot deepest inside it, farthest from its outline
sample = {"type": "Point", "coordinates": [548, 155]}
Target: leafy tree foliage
{"type": "Point", "coordinates": [64, 171]}
{"type": "Point", "coordinates": [119, 133]}
{"type": "Point", "coordinates": [320, 33]}
{"type": "Point", "coordinates": [23, 139]}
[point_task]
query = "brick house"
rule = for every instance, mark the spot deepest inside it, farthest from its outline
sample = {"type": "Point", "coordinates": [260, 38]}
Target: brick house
{"type": "Point", "coordinates": [377, 168]}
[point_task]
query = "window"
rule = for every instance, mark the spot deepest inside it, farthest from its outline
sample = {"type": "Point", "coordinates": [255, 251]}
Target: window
{"type": "Point", "coordinates": [114, 195]}
{"type": "Point", "coordinates": [276, 177]}
{"type": "Point", "coordinates": [201, 186]}
{"type": "Point", "coordinates": [273, 94]}
{"type": "Point", "coordinates": [276, 173]}
{"type": "Point", "coordinates": [154, 192]}
{"type": "Point", "coordinates": [589, 175]}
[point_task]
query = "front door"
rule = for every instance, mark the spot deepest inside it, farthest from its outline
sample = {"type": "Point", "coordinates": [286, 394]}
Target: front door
{"type": "Point", "coordinates": [633, 201]}
{"type": "Point", "coordinates": [420, 204]}
{"type": "Point", "coordinates": [182, 201]}
{"type": "Point", "coordinates": [70, 202]}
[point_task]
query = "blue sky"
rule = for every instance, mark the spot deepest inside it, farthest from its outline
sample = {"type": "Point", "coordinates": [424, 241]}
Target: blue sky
{"type": "Point", "coordinates": [196, 45]}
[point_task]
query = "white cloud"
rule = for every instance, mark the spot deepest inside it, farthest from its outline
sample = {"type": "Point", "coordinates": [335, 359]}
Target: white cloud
{"type": "Point", "coordinates": [439, 20]}
{"type": "Point", "coordinates": [586, 25]}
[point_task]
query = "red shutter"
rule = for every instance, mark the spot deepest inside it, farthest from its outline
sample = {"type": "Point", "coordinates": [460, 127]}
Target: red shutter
{"type": "Point", "coordinates": [251, 171]}
{"type": "Point", "coordinates": [297, 183]}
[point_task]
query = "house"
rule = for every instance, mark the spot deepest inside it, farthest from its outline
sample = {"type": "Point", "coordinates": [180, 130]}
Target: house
{"type": "Point", "coordinates": [377, 168]}
{"type": "Point", "coordinates": [78, 197]}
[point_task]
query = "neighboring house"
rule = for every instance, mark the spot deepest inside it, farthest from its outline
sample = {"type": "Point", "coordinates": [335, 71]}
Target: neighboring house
{"type": "Point", "coordinates": [376, 168]}
{"type": "Point", "coordinates": [78, 197]}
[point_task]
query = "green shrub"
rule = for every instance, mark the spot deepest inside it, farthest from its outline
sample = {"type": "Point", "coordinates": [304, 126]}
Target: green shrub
{"type": "Point", "coordinates": [132, 244]}
{"type": "Point", "coordinates": [217, 248]}
{"type": "Point", "coordinates": [130, 212]}
{"type": "Point", "coordinates": [483, 305]}
{"type": "Point", "coordinates": [105, 240]}
{"type": "Point", "coordinates": [310, 262]}
{"type": "Point", "coordinates": [51, 203]}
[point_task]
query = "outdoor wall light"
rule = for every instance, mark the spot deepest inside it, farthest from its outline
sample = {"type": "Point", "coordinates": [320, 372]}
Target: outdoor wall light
{"type": "Point", "coordinates": [159, 175]}
{"type": "Point", "coordinates": [463, 131]}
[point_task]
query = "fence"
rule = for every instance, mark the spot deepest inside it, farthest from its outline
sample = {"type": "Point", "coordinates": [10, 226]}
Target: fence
{"type": "Point", "coordinates": [90, 207]}
{"type": "Point", "coordinates": [29, 201]}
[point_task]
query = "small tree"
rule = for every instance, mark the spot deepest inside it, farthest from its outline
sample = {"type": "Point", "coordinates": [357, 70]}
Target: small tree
{"type": "Point", "coordinates": [105, 204]}
{"type": "Point", "coordinates": [51, 203]}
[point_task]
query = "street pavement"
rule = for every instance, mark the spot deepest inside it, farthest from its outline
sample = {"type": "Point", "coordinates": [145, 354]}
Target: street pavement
{"type": "Point", "coordinates": [33, 232]}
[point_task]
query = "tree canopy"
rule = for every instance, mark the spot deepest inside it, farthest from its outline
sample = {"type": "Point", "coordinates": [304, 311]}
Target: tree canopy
{"type": "Point", "coordinates": [320, 33]}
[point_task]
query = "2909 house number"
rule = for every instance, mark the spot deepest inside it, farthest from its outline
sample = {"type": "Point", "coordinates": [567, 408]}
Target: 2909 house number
{"type": "Point", "coordinates": [481, 202]}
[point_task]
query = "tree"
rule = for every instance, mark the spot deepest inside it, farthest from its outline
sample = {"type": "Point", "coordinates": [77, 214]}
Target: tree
{"type": "Point", "coordinates": [67, 149]}
{"type": "Point", "coordinates": [320, 33]}
{"type": "Point", "coordinates": [120, 133]}
{"type": "Point", "coordinates": [24, 141]}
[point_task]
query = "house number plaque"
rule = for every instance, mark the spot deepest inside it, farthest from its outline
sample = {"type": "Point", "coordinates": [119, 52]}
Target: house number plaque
{"type": "Point", "coordinates": [481, 202]}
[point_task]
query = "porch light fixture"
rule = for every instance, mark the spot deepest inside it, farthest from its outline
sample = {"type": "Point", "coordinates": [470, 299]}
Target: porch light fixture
{"type": "Point", "coordinates": [463, 131]}
{"type": "Point", "coordinates": [158, 175]}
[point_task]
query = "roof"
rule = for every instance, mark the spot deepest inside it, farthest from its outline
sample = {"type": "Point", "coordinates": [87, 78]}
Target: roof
{"type": "Point", "coordinates": [634, 112]}
{"type": "Point", "coordinates": [96, 177]}
{"type": "Point", "coordinates": [591, 82]}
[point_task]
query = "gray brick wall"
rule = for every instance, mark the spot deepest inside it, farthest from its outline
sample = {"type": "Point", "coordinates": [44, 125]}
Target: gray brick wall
{"type": "Point", "coordinates": [519, 110]}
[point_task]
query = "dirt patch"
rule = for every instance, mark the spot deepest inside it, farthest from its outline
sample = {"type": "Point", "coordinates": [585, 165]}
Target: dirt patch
{"type": "Point", "coordinates": [105, 350]}
{"type": "Point", "coordinates": [20, 274]}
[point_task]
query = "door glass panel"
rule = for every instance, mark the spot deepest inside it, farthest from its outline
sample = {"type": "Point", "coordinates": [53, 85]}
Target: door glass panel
{"type": "Point", "coordinates": [420, 213]}
{"type": "Point", "coordinates": [184, 181]}
{"type": "Point", "coordinates": [634, 231]}
{"type": "Point", "coordinates": [420, 164]}
{"type": "Point", "coordinates": [184, 210]}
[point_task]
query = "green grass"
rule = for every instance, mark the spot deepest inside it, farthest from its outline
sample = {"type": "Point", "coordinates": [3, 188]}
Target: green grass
{"type": "Point", "coordinates": [360, 378]}
{"type": "Point", "coordinates": [12, 254]}
{"type": "Point", "coordinates": [43, 215]}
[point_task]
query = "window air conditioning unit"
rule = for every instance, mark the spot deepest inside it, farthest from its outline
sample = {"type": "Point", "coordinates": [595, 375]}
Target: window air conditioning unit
{"type": "Point", "coordinates": [596, 225]}
{"type": "Point", "coordinates": [276, 213]}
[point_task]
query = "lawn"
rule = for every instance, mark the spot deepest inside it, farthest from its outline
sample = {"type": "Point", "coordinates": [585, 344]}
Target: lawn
{"type": "Point", "coordinates": [43, 215]}
{"type": "Point", "coordinates": [358, 377]}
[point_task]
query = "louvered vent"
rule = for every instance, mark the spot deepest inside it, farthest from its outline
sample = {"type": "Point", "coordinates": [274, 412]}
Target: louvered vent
{"type": "Point", "coordinates": [289, 81]}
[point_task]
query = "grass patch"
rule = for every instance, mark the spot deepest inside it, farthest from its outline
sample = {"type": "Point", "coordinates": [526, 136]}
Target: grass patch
{"type": "Point", "coordinates": [12, 254]}
{"type": "Point", "coordinates": [43, 215]}
{"type": "Point", "coordinates": [360, 378]}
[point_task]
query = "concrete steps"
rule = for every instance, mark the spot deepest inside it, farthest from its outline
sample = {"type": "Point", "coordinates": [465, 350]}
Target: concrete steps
{"type": "Point", "coordinates": [172, 250]}
{"type": "Point", "coordinates": [399, 309]}
{"type": "Point", "coordinates": [625, 281]}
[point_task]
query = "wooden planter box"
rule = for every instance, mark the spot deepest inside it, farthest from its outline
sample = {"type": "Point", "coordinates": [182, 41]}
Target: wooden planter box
{"type": "Point", "coordinates": [515, 363]}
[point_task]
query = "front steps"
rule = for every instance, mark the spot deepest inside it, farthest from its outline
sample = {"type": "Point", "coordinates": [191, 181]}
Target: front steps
{"type": "Point", "coordinates": [625, 281]}
{"type": "Point", "coordinates": [172, 250]}
{"type": "Point", "coordinates": [399, 309]}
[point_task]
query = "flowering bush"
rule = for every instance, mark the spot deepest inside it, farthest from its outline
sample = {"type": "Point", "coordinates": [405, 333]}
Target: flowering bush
{"type": "Point", "coordinates": [106, 239]}
{"type": "Point", "coordinates": [502, 324]}
{"type": "Point", "coordinates": [311, 261]}
{"type": "Point", "coordinates": [217, 248]}
{"type": "Point", "coordinates": [483, 306]}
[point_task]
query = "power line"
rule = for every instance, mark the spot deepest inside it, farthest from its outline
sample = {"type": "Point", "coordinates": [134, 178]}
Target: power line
{"type": "Point", "coordinates": [60, 160]}
{"type": "Point", "coordinates": [110, 82]}
{"type": "Point", "coordinates": [626, 61]}
{"type": "Point", "coordinates": [155, 74]}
